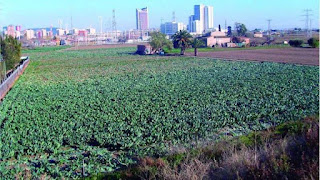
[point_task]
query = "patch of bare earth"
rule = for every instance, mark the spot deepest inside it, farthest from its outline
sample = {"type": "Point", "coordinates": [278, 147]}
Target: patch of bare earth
{"type": "Point", "coordinates": [303, 56]}
{"type": "Point", "coordinates": [105, 46]}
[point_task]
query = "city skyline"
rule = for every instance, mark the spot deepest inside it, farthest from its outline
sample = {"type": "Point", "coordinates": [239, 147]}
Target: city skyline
{"type": "Point", "coordinates": [202, 19]}
{"type": "Point", "coordinates": [32, 16]}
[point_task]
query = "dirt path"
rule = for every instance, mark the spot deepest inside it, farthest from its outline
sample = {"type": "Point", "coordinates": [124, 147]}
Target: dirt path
{"type": "Point", "coordinates": [304, 56]}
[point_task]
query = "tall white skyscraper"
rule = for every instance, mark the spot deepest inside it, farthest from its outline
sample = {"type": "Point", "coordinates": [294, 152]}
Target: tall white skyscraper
{"type": "Point", "coordinates": [202, 20]}
{"type": "Point", "coordinates": [208, 17]}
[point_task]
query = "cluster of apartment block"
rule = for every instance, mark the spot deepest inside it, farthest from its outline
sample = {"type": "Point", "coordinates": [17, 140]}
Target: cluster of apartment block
{"type": "Point", "coordinates": [11, 30]}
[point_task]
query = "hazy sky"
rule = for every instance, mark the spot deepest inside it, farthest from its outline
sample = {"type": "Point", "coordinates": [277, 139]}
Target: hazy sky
{"type": "Point", "coordinates": [253, 13]}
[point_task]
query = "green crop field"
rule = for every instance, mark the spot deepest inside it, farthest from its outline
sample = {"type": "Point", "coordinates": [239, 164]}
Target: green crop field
{"type": "Point", "coordinates": [78, 113]}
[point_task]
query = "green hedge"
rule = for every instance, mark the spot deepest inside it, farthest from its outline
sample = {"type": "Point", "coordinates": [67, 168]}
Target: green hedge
{"type": "Point", "coordinates": [295, 43]}
{"type": "Point", "coordinates": [11, 51]}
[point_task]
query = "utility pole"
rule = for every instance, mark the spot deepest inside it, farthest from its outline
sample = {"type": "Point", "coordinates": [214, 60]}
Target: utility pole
{"type": "Point", "coordinates": [173, 16]}
{"type": "Point", "coordinates": [225, 25]}
{"type": "Point", "coordinates": [114, 22]}
{"type": "Point", "coordinates": [60, 23]}
{"type": "Point", "coordinates": [310, 35]}
{"type": "Point", "coordinates": [307, 15]}
{"type": "Point", "coordinates": [100, 19]}
{"type": "Point", "coordinates": [67, 26]}
{"type": "Point", "coordinates": [71, 23]}
{"type": "Point", "coordinates": [269, 29]}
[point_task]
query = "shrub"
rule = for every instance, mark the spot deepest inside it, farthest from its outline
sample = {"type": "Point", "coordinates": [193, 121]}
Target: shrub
{"type": "Point", "coordinates": [159, 41]}
{"type": "Point", "coordinates": [11, 51]}
{"type": "Point", "coordinates": [295, 43]}
{"type": "Point", "coordinates": [236, 40]}
{"type": "Point", "coordinates": [313, 42]}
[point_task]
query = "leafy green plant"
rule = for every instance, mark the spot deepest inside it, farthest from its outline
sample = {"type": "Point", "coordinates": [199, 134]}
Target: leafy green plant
{"type": "Point", "coordinates": [98, 110]}
{"type": "Point", "coordinates": [313, 42]}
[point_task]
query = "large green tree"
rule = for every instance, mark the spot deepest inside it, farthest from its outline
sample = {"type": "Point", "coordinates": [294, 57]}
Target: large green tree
{"type": "Point", "coordinates": [197, 43]}
{"type": "Point", "coordinates": [11, 51]}
{"type": "Point", "coordinates": [183, 39]}
{"type": "Point", "coordinates": [159, 41]}
{"type": "Point", "coordinates": [241, 29]}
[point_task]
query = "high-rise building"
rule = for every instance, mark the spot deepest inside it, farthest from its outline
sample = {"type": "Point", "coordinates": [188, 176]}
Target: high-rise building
{"type": "Point", "coordinates": [44, 33]}
{"type": "Point", "coordinates": [170, 28]}
{"type": "Point", "coordinates": [142, 19]}
{"type": "Point", "coordinates": [50, 34]}
{"type": "Point", "coordinates": [190, 26]}
{"type": "Point", "coordinates": [39, 34]}
{"type": "Point", "coordinates": [197, 27]}
{"type": "Point", "coordinates": [29, 34]}
{"type": "Point", "coordinates": [11, 31]}
{"type": "Point", "coordinates": [18, 28]}
{"type": "Point", "coordinates": [199, 15]}
{"type": "Point", "coordinates": [60, 32]}
{"type": "Point", "coordinates": [202, 20]}
{"type": "Point", "coordinates": [74, 31]}
{"type": "Point", "coordinates": [208, 17]}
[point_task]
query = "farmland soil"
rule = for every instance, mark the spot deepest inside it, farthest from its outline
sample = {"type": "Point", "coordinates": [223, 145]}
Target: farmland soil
{"type": "Point", "coordinates": [303, 56]}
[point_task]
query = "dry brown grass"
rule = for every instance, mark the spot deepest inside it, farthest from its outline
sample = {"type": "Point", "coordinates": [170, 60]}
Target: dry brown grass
{"type": "Point", "coordinates": [290, 151]}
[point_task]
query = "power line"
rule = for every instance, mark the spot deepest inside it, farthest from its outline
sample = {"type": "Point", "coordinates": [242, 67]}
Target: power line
{"type": "Point", "coordinates": [60, 23]}
{"type": "Point", "coordinates": [269, 27]}
{"type": "Point", "coordinates": [100, 19]}
{"type": "Point", "coordinates": [269, 30]}
{"type": "Point", "coordinates": [307, 20]}
{"type": "Point", "coordinates": [114, 22]}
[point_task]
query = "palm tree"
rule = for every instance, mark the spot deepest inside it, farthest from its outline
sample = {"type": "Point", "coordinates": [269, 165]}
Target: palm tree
{"type": "Point", "coordinates": [182, 38]}
{"type": "Point", "coordinates": [196, 43]}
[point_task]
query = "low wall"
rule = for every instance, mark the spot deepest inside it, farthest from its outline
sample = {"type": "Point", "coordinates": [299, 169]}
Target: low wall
{"type": "Point", "coordinates": [9, 82]}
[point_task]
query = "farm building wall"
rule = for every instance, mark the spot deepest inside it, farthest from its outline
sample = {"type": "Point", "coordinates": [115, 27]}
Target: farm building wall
{"type": "Point", "coordinates": [222, 41]}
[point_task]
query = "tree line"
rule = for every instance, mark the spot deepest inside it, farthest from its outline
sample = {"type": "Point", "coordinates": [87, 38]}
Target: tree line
{"type": "Point", "coordinates": [181, 39]}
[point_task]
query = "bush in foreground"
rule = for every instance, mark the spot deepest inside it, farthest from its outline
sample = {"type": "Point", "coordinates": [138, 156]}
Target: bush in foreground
{"type": "Point", "coordinates": [313, 42]}
{"type": "Point", "coordinates": [296, 43]}
{"type": "Point", "coordinates": [289, 151]}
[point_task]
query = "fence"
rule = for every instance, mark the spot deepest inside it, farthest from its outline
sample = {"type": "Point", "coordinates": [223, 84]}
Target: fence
{"type": "Point", "coordinates": [7, 84]}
